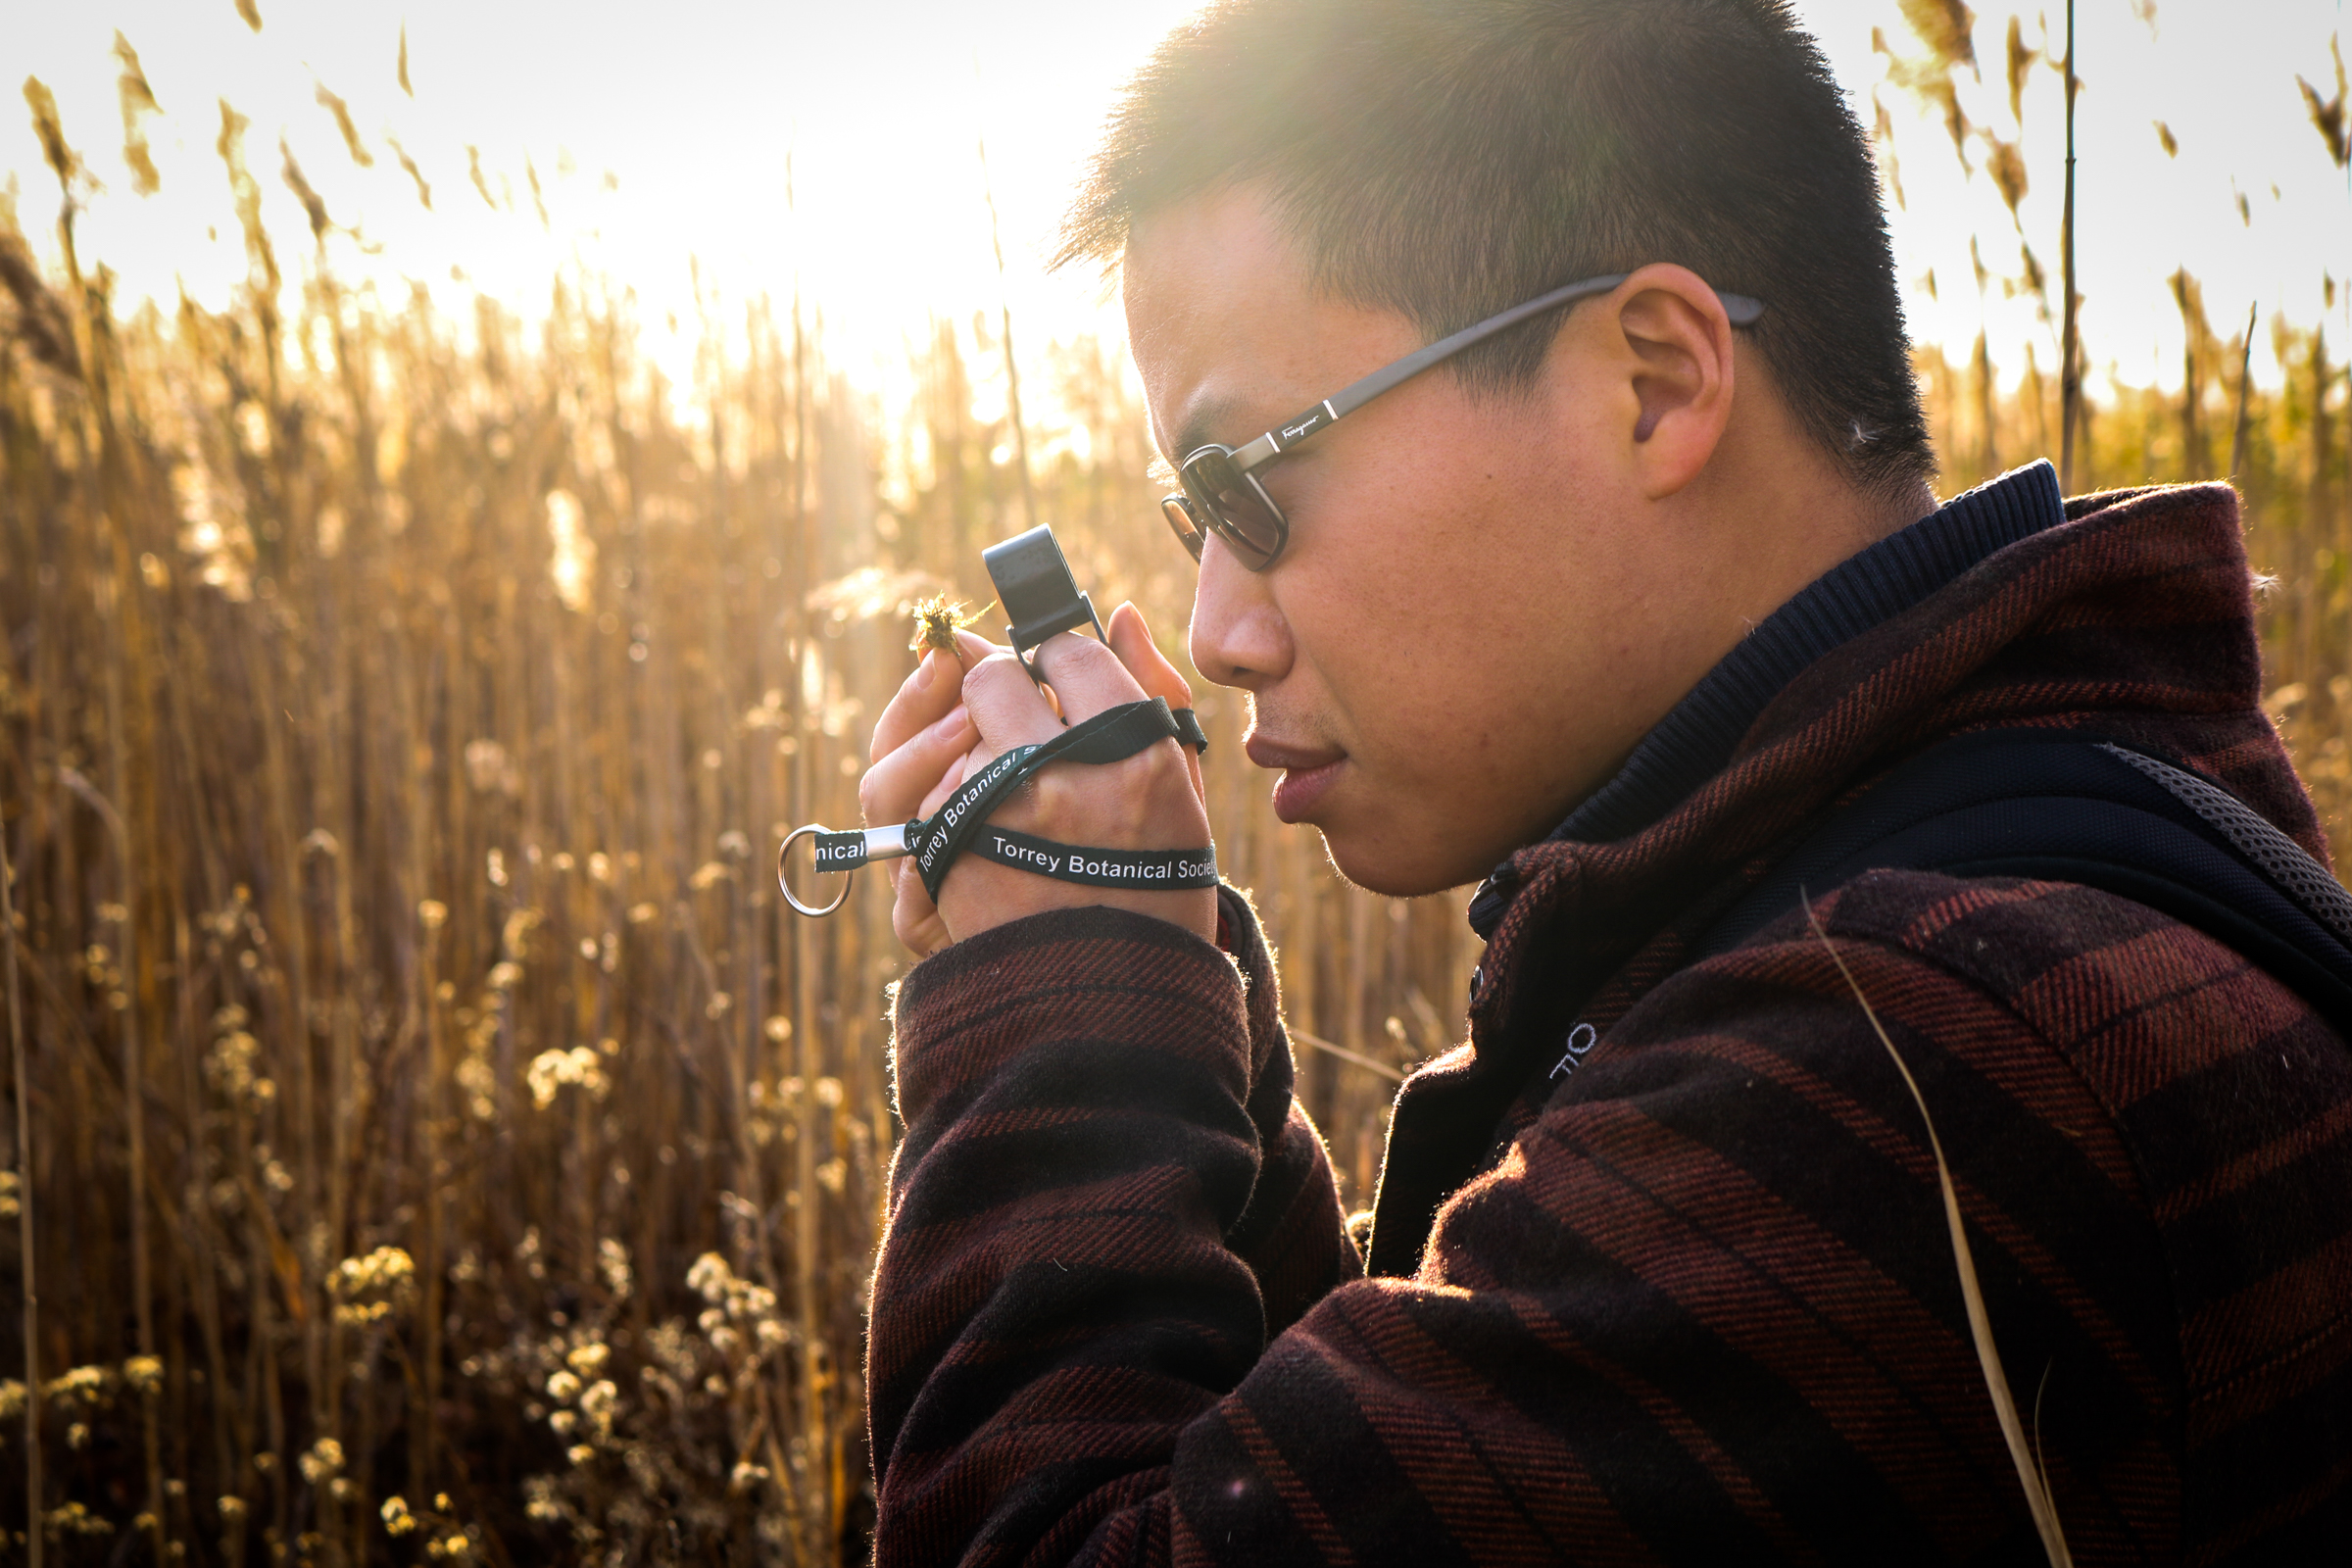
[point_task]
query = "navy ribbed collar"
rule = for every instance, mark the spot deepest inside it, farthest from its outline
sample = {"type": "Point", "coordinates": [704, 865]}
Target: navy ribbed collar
{"type": "Point", "coordinates": [1693, 742]}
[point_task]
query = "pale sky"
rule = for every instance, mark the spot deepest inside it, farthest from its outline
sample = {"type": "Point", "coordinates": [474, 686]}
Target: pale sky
{"type": "Point", "coordinates": [691, 107]}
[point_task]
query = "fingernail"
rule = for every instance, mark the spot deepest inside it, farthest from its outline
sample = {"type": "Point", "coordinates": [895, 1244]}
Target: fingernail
{"type": "Point", "coordinates": [927, 671]}
{"type": "Point", "coordinates": [958, 717]}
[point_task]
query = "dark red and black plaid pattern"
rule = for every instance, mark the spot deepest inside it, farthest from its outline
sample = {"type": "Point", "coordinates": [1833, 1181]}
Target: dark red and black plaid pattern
{"type": "Point", "coordinates": [1694, 1301]}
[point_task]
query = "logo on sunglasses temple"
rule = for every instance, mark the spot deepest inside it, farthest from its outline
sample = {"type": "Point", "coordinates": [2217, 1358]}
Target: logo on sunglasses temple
{"type": "Point", "coordinates": [1307, 424]}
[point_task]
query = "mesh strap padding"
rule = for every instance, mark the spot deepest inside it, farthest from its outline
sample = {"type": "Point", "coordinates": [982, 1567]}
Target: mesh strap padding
{"type": "Point", "coordinates": [2277, 856]}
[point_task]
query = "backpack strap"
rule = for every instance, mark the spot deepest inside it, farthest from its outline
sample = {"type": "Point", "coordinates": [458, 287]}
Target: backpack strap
{"type": "Point", "coordinates": [2064, 806]}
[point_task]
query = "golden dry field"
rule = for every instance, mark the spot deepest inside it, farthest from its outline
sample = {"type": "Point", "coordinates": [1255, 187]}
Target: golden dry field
{"type": "Point", "coordinates": [428, 1134]}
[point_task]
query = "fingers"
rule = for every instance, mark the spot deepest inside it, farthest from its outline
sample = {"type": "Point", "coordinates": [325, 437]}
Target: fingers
{"type": "Point", "coordinates": [1087, 677]}
{"type": "Point", "coordinates": [900, 782]}
{"type": "Point", "coordinates": [1131, 640]}
{"type": "Point", "coordinates": [948, 783]}
{"type": "Point", "coordinates": [936, 686]}
{"type": "Point", "coordinates": [914, 918]}
{"type": "Point", "coordinates": [975, 647]}
{"type": "Point", "coordinates": [1007, 707]}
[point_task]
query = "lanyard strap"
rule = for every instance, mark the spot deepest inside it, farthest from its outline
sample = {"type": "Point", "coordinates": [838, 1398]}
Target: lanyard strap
{"type": "Point", "coordinates": [1147, 869]}
{"type": "Point", "coordinates": [1110, 736]}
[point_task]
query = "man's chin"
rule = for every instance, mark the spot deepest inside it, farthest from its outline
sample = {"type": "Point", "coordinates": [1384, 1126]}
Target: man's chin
{"type": "Point", "coordinates": [1381, 865]}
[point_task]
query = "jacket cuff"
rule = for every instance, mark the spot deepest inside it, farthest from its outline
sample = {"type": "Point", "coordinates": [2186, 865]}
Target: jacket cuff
{"type": "Point", "coordinates": [1093, 974]}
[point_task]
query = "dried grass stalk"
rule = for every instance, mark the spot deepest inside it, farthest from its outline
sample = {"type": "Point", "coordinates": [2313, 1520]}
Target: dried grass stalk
{"type": "Point", "coordinates": [2030, 1476]}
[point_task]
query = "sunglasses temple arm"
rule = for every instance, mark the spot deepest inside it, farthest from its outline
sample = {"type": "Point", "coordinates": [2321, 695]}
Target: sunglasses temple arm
{"type": "Point", "coordinates": [1341, 403]}
{"type": "Point", "coordinates": [1739, 307]}
{"type": "Point", "coordinates": [1444, 348]}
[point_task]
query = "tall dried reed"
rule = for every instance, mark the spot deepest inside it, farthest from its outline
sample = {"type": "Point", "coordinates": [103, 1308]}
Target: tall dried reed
{"type": "Point", "coordinates": [429, 1136]}
{"type": "Point", "coordinates": [436, 1139]}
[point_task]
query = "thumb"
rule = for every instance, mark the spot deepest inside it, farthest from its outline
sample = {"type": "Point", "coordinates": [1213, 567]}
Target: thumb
{"type": "Point", "coordinates": [1131, 640]}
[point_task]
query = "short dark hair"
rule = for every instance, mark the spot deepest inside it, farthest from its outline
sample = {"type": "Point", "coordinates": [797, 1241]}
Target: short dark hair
{"type": "Point", "coordinates": [1447, 159]}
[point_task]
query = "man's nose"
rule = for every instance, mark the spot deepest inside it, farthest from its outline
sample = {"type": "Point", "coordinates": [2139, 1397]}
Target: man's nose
{"type": "Point", "coordinates": [1239, 635]}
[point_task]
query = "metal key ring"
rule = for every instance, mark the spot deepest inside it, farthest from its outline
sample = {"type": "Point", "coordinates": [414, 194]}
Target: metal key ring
{"type": "Point", "coordinates": [784, 882]}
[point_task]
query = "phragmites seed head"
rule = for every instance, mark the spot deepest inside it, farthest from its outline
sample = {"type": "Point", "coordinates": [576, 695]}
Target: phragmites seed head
{"type": "Point", "coordinates": [937, 620]}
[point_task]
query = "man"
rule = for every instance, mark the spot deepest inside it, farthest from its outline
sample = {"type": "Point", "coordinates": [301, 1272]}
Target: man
{"type": "Point", "coordinates": [1612, 608]}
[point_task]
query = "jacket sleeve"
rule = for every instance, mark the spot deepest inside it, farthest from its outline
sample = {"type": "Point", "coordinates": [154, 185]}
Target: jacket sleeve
{"type": "Point", "coordinates": [1292, 1234]}
{"type": "Point", "coordinates": [1101, 1142]}
{"type": "Point", "coordinates": [1704, 1309]}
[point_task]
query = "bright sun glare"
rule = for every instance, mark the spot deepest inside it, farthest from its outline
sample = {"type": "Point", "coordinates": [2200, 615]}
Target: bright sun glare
{"type": "Point", "coordinates": [736, 149]}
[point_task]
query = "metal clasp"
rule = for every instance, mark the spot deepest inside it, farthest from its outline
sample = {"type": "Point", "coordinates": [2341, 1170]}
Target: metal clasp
{"type": "Point", "coordinates": [873, 843]}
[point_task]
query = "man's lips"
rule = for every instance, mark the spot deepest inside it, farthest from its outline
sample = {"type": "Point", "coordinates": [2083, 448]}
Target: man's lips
{"type": "Point", "coordinates": [1308, 772]}
{"type": "Point", "coordinates": [1267, 752]}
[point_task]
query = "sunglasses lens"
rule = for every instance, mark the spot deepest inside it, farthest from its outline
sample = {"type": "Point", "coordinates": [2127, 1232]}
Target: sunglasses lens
{"type": "Point", "coordinates": [1243, 516]}
{"type": "Point", "coordinates": [1179, 513]}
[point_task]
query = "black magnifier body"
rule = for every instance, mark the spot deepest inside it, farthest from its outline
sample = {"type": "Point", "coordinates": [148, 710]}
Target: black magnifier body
{"type": "Point", "coordinates": [1034, 586]}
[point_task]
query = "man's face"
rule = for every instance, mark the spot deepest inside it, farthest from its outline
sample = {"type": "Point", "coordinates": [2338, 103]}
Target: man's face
{"type": "Point", "coordinates": [1476, 617]}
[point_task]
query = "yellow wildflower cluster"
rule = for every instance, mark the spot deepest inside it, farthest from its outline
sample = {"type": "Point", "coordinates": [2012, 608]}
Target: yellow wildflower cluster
{"type": "Point", "coordinates": [369, 1289]}
{"type": "Point", "coordinates": [551, 1070]}
{"type": "Point", "coordinates": [323, 1462]}
{"type": "Point", "coordinates": [231, 1066]}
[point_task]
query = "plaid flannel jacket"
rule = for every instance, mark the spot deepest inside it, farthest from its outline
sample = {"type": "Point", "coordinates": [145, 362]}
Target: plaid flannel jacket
{"type": "Point", "coordinates": [1695, 1301]}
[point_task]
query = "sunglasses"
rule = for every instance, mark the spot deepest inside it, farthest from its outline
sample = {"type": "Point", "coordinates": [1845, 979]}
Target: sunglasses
{"type": "Point", "coordinates": [1222, 494]}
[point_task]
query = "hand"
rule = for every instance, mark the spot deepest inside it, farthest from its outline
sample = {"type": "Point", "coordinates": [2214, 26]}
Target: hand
{"type": "Point", "coordinates": [926, 743]}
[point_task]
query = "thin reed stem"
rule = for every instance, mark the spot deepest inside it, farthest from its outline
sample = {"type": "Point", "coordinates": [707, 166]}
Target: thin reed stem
{"type": "Point", "coordinates": [2070, 344]}
{"type": "Point", "coordinates": [29, 1296]}
{"type": "Point", "coordinates": [2245, 376]}
{"type": "Point", "coordinates": [1356, 1058]}
{"type": "Point", "coordinates": [2031, 1477]}
{"type": "Point", "coordinates": [1012, 367]}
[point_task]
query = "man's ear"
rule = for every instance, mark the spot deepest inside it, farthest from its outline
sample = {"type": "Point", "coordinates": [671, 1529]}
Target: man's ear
{"type": "Point", "coordinates": [1680, 346]}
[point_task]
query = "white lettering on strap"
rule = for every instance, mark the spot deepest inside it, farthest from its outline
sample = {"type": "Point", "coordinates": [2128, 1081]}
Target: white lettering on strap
{"type": "Point", "coordinates": [1006, 848]}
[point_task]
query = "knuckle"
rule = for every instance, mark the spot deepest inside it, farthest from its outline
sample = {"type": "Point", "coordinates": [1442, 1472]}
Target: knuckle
{"type": "Point", "coordinates": [1162, 764]}
{"type": "Point", "coordinates": [1068, 654]}
{"type": "Point", "coordinates": [1095, 797]}
{"type": "Point", "coordinates": [1051, 794]}
{"type": "Point", "coordinates": [990, 676]}
{"type": "Point", "coordinates": [999, 665]}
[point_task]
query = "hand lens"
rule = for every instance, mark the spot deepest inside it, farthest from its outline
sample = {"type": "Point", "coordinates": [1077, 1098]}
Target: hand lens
{"type": "Point", "coordinates": [1034, 586]}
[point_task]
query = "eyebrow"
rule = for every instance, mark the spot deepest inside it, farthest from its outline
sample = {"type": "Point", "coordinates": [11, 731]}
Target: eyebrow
{"type": "Point", "coordinates": [1215, 414]}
